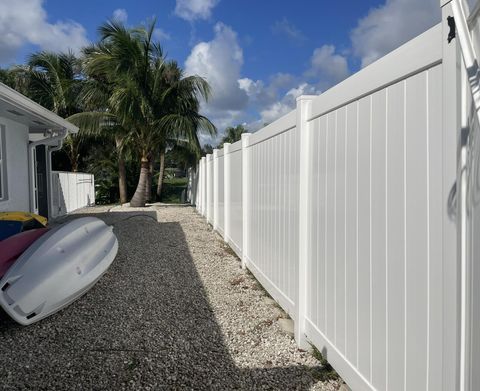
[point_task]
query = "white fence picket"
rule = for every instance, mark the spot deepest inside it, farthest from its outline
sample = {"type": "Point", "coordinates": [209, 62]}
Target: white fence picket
{"type": "Point", "coordinates": [71, 191]}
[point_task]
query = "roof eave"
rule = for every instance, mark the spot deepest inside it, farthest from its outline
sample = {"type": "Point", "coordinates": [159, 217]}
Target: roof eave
{"type": "Point", "coordinates": [22, 102]}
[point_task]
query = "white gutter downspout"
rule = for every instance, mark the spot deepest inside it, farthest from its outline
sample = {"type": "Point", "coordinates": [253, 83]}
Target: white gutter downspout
{"type": "Point", "coordinates": [31, 164]}
{"type": "Point", "coordinates": [51, 149]}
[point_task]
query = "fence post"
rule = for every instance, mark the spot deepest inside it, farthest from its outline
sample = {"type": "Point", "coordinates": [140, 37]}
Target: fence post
{"type": "Point", "coordinates": [226, 191]}
{"type": "Point", "coordinates": [209, 193]}
{"type": "Point", "coordinates": [304, 104]}
{"type": "Point", "coordinates": [455, 366]}
{"type": "Point", "coordinates": [245, 198]}
{"type": "Point", "coordinates": [203, 195]}
{"type": "Point", "coordinates": [200, 189]}
{"type": "Point", "coordinates": [215, 189]}
{"type": "Point", "coordinates": [196, 176]}
{"type": "Point", "coordinates": [199, 186]}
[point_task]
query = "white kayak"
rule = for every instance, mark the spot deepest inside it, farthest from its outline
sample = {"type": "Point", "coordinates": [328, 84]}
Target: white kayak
{"type": "Point", "coordinates": [57, 269]}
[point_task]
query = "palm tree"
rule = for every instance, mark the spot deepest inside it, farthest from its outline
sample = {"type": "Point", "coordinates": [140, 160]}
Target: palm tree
{"type": "Point", "coordinates": [233, 134]}
{"type": "Point", "coordinates": [16, 77]}
{"type": "Point", "coordinates": [98, 121]}
{"type": "Point", "coordinates": [180, 127]}
{"type": "Point", "coordinates": [54, 80]}
{"type": "Point", "coordinates": [103, 124]}
{"type": "Point", "coordinates": [141, 101]}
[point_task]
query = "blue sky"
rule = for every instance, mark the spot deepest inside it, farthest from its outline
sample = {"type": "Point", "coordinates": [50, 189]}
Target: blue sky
{"type": "Point", "coordinates": [257, 55]}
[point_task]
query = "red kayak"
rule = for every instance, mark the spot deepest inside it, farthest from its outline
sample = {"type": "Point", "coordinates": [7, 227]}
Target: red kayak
{"type": "Point", "coordinates": [12, 247]}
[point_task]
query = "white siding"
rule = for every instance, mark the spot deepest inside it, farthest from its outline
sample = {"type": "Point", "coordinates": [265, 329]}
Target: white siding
{"type": "Point", "coordinates": [16, 138]}
{"type": "Point", "coordinates": [71, 191]}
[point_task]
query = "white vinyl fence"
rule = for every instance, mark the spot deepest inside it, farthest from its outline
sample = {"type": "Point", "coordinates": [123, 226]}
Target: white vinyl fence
{"type": "Point", "coordinates": [344, 210]}
{"type": "Point", "coordinates": [71, 191]}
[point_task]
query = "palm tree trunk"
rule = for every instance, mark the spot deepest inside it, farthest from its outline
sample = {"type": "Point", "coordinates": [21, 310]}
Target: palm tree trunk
{"type": "Point", "coordinates": [122, 172]}
{"type": "Point", "coordinates": [140, 196]}
{"type": "Point", "coordinates": [149, 181]}
{"type": "Point", "coordinates": [161, 172]}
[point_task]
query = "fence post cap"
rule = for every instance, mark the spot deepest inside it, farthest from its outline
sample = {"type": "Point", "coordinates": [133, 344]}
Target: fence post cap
{"type": "Point", "coordinates": [306, 97]}
{"type": "Point", "coordinates": [245, 139]}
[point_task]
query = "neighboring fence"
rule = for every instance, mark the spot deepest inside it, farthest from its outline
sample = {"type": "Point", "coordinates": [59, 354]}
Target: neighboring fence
{"type": "Point", "coordinates": [71, 191]}
{"type": "Point", "coordinates": [341, 210]}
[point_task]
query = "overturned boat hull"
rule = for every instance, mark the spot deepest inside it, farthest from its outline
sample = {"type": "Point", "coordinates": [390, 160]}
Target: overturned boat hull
{"type": "Point", "coordinates": [57, 269]}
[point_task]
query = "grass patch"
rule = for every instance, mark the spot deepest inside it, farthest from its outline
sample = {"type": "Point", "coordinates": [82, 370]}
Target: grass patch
{"type": "Point", "coordinates": [172, 190]}
{"type": "Point", "coordinates": [326, 372]}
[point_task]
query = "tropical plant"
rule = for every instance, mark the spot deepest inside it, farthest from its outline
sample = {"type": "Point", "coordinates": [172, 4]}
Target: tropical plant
{"type": "Point", "coordinates": [233, 134]}
{"type": "Point", "coordinates": [101, 160]}
{"type": "Point", "coordinates": [207, 149]}
{"type": "Point", "coordinates": [54, 80]}
{"type": "Point", "coordinates": [144, 102]}
{"type": "Point", "coordinates": [98, 121]}
{"type": "Point", "coordinates": [16, 77]}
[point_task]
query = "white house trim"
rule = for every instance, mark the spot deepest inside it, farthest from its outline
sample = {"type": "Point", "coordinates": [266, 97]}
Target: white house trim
{"type": "Point", "coordinates": [28, 125]}
{"type": "Point", "coordinates": [33, 111]}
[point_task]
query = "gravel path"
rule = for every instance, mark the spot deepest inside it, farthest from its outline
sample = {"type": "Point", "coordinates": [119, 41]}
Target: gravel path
{"type": "Point", "coordinates": [174, 311]}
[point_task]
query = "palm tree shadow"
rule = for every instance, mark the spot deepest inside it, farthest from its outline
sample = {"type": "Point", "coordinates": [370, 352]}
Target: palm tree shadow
{"type": "Point", "coordinates": [147, 323]}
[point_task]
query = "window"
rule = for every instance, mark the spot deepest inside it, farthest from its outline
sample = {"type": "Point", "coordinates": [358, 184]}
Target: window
{"type": "Point", "coordinates": [3, 165]}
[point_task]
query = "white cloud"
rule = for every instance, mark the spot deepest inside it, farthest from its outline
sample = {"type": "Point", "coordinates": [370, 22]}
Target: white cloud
{"type": "Point", "coordinates": [195, 9]}
{"type": "Point", "coordinates": [120, 15]}
{"type": "Point", "coordinates": [283, 105]}
{"type": "Point", "coordinates": [219, 61]}
{"type": "Point", "coordinates": [278, 97]}
{"type": "Point", "coordinates": [390, 25]}
{"type": "Point", "coordinates": [25, 22]}
{"type": "Point", "coordinates": [286, 28]}
{"type": "Point", "coordinates": [264, 94]}
{"type": "Point", "coordinates": [327, 67]}
{"type": "Point", "coordinates": [274, 112]}
{"type": "Point", "coordinates": [161, 35]}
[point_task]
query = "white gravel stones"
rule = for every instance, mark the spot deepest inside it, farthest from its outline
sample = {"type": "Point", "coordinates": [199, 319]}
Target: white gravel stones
{"type": "Point", "coordinates": [174, 311]}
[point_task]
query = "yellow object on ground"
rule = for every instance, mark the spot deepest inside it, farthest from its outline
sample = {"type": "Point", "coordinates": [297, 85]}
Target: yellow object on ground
{"type": "Point", "coordinates": [23, 216]}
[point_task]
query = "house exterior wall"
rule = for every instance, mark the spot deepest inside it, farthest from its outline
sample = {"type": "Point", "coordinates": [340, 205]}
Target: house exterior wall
{"type": "Point", "coordinates": [16, 140]}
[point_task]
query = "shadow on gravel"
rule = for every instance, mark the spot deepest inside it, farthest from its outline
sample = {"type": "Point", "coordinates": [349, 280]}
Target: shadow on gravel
{"type": "Point", "coordinates": [146, 324]}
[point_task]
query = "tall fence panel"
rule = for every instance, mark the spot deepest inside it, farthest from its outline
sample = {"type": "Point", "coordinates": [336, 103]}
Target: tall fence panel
{"type": "Point", "coordinates": [273, 215]}
{"type": "Point", "coordinates": [340, 209]}
{"type": "Point", "coordinates": [71, 191]}
{"type": "Point", "coordinates": [378, 221]}
{"type": "Point", "coordinates": [233, 197]}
